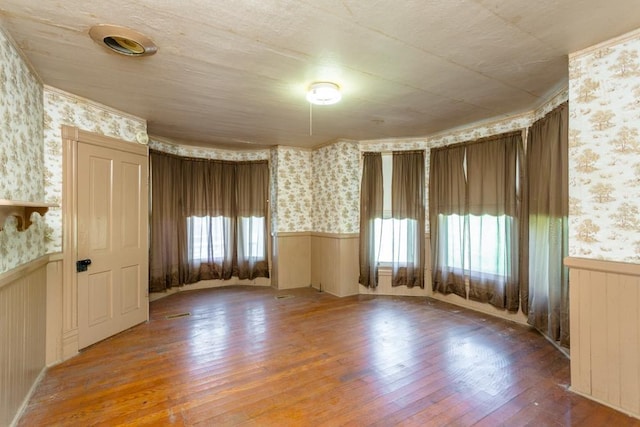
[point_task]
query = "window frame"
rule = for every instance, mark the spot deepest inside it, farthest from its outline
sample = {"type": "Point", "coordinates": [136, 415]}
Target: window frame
{"type": "Point", "coordinates": [204, 243]}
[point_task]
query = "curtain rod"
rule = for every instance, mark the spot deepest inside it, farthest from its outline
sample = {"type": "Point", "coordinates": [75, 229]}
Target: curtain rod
{"type": "Point", "coordinates": [483, 139]}
{"type": "Point", "coordinates": [203, 159]}
{"type": "Point", "coordinates": [458, 144]}
{"type": "Point", "coordinates": [395, 151]}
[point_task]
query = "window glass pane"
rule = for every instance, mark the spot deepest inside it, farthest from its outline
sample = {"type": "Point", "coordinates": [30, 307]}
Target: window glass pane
{"type": "Point", "coordinates": [487, 242]}
{"type": "Point", "coordinates": [251, 234]}
{"type": "Point", "coordinates": [488, 248]}
{"type": "Point", "coordinates": [392, 237]}
{"type": "Point", "coordinates": [452, 239]}
{"type": "Point", "coordinates": [206, 237]}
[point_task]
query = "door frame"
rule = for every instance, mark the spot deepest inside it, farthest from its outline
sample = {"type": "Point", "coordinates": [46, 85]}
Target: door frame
{"type": "Point", "coordinates": [71, 136]}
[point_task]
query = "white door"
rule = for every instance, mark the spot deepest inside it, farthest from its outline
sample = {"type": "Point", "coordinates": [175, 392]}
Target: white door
{"type": "Point", "coordinates": [112, 218]}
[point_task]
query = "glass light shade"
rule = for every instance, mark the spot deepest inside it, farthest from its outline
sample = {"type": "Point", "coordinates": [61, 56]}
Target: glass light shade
{"type": "Point", "coordinates": [324, 93]}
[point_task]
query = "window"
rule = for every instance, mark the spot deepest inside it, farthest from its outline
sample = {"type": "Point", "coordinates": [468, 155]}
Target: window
{"type": "Point", "coordinates": [474, 204]}
{"type": "Point", "coordinates": [392, 218]}
{"type": "Point", "coordinates": [392, 235]}
{"type": "Point", "coordinates": [205, 237]}
{"type": "Point", "coordinates": [209, 237]}
{"type": "Point", "coordinates": [251, 237]}
{"type": "Point", "coordinates": [487, 253]}
{"type": "Point", "coordinates": [208, 220]}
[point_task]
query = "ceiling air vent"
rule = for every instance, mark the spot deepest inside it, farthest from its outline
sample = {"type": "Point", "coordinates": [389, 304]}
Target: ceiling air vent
{"type": "Point", "coordinates": [122, 40]}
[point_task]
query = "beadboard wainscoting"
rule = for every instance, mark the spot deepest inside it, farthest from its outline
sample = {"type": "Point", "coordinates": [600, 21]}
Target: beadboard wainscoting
{"type": "Point", "coordinates": [55, 294]}
{"type": "Point", "coordinates": [334, 263]}
{"type": "Point", "coordinates": [605, 332]}
{"type": "Point", "coordinates": [23, 315]}
{"type": "Point", "coordinates": [292, 260]}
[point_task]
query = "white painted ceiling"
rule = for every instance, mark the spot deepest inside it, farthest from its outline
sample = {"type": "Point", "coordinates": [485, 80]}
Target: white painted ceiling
{"type": "Point", "coordinates": [233, 74]}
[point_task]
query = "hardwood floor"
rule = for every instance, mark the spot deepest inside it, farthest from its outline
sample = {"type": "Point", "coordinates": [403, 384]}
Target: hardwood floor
{"type": "Point", "coordinates": [245, 357]}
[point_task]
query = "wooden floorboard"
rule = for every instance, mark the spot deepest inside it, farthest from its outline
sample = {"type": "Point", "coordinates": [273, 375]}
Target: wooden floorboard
{"type": "Point", "coordinates": [246, 358]}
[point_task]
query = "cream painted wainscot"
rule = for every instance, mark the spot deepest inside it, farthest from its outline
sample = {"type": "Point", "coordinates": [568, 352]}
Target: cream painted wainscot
{"type": "Point", "coordinates": [605, 332]}
{"type": "Point", "coordinates": [31, 318]}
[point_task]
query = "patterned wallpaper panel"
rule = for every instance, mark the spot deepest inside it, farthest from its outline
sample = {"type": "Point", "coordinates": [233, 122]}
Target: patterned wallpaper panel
{"type": "Point", "coordinates": [293, 197]}
{"type": "Point", "coordinates": [273, 188]}
{"type": "Point", "coordinates": [336, 188]}
{"type": "Point", "coordinates": [21, 153]}
{"type": "Point", "coordinates": [21, 164]}
{"type": "Point", "coordinates": [62, 108]}
{"type": "Point", "coordinates": [604, 151]}
{"type": "Point", "coordinates": [20, 247]}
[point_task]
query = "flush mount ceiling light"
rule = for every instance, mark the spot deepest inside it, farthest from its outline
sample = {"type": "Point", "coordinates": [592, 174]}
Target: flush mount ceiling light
{"type": "Point", "coordinates": [324, 93]}
{"type": "Point", "coordinates": [122, 40]}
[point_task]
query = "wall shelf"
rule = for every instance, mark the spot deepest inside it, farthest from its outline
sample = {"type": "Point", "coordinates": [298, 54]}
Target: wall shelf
{"type": "Point", "coordinates": [22, 211]}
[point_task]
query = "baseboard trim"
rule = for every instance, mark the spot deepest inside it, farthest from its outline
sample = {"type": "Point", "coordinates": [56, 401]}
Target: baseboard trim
{"type": "Point", "coordinates": [602, 402]}
{"type": "Point", "coordinates": [27, 398]}
{"type": "Point", "coordinates": [336, 235]}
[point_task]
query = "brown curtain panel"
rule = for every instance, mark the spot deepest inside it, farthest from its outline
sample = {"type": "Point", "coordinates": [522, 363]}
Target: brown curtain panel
{"type": "Point", "coordinates": [523, 230]}
{"type": "Point", "coordinates": [168, 249]}
{"type": "Point", "coordinates": [407, 203]}
{"type": "Point", "coordinates": [447, 196]}
{"type": "Point", "coordinates": [208, 187]}
{"type": "Point", "coordinates": [252, 191]}
{"type": "Point", "coordinates": [210, 192]}
{"type": "Point", "coordinates": [371, 204]}
{"type": "Point", "coordinates": [204, 213]}
{"type": "Point", "coordinates": [492, 168]}
{"type": "Point", "coordinates": [548, 190]}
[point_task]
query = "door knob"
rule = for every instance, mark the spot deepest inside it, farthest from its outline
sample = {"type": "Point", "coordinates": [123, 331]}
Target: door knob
{"type": "Point", "coordinates": [82, 265]}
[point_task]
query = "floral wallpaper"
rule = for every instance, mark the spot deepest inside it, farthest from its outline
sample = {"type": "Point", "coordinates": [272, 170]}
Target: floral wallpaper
{"type": "Point", "coordinates": [293, 199]}
{"type": "Point", "coordinates": [62, 108]}
{"type": "Point", "coordinates": [604, 151]}
{"type": "Point", "coordinates": [273, 188]}
{"type": "Point", "coordinates": [20, 247]}
{"type": "Point", "coordinates": [336, 188]}
{"type": "Point", "coordinates": [21, 153]}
